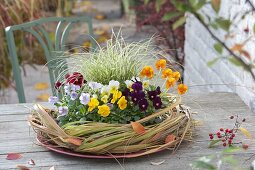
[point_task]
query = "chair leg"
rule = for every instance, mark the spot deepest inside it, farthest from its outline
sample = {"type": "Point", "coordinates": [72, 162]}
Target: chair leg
{"type": "Point", "coordinates": [15, 65]}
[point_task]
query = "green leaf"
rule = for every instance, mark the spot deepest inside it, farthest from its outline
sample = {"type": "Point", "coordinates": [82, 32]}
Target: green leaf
{"type": "Point", "coordinates": [216, 5]}
{"type": "Point", "coordinates": [254, 28]}
{"type": "Point", "coordinates": [200, 4]}
{"type": "Point", "coordinates": [213, 142]}
{"type": "Point", "coordinates": [201, 17]}
{"type": "Point", "coordinates": [158, 4]}
{"type": "Point", "coordinates": [235, 61]}
{"type": "Point", "coordinates": [223, 23]}
{"type": "Point", "coordinates": [231, 160]}
{"type": "Point", "coordinates": [192, 2]}
{"type": "Point", "coordinates": [170, 15]}
{"type": "Point", "coordinates": [146, 2]}
{"type": "Point", "coordinates": [203, 165]}
{"type": "Point", "coordinates": [231, 149]}
{"type": "Point", "coordinates": [214, 26]}
{"type": "Point", "coordinates": [212, 62]}
{"type": "Point", "coordinates": [218, 47]}
{"type": "Point", "coordinates": [180, 6]}
{"type": "Point", "coordinates": [197, 4]}
{"type": "Point", "coordinates": [82, 109]}
{"type": "Point", "coordinates": [71, 103]}
{"type": "Point", "coordinates": [179, 22]}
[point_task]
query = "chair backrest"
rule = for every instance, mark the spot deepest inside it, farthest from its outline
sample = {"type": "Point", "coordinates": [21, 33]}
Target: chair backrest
{"type": "Point", "coordinates": [52, 49]}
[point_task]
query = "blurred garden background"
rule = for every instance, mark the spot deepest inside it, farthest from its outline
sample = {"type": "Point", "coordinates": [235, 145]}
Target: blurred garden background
{"type": "Point", "coordinates": [184, 31]}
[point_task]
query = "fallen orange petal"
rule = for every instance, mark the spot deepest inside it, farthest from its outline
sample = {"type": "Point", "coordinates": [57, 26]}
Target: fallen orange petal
{"type": "Point", "coordinates": [138, 128]}
{"type": "Point", "coordinates": [169, 138]}
{"type": "Point", "coordinates": [13, 156]}
{"type": "Point", "coordinates": [74, 141]}
{"type": "Point", "coordinates": [100, 17]}
{"type": "Point", "coordinates": [41, 86]}
{"type": "Point", "coordinates": [22, 167]}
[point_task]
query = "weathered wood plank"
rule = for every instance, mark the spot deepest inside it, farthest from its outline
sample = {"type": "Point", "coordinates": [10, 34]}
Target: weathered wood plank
{"type": "Point", "coordinates": [213, 112]}
{"type": "Point", "coordinates": [15, 109]}
{"type": "Point", "coordinates": [178, 160]}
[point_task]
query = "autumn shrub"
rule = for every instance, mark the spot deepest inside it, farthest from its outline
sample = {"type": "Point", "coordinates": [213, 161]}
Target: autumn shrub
{"type": "Point", "coordinates": [163, 17]}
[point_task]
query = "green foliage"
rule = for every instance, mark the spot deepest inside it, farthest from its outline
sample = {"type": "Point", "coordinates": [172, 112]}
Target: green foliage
{"type": "Point", "coordinates": [159, 3]}
{"type": "Point", "coordinates": [218, 47]}
{"type": "Point", "coordinates": [213, 142]}
{"type": "Point", "coordinates": [232, 149]}
{"type": "Point", "coordinates": [181, 6]}
{"type": "Point", "coordinates": [146, 2]}
{"type": "Point", "coordinates": [203, 165]}
{"type": "Point", "coordinates": [212, 62]}
{"type": "Point", "coordinates": [211, 162]}
{"type": "Point", "coordinates": [179, 22]}
{"type": "Point", "coordinates": [223, 23]}
{"type": "Point", "coordinates": [199, 4]}
{"type": "Point", "coordinates": [170, 15]}
{"type": "Point", "coordinates": [235, 61]}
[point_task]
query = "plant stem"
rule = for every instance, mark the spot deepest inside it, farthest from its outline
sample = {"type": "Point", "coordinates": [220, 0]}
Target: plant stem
{"type": "Point", "coordinates": [251, 5]}
{"type": "Point", "coordinates": [180, 60]}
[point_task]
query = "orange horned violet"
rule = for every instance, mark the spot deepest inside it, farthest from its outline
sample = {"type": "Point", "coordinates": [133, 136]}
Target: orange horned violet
{"type": "Point", "coordinates": [182, 89]}
{"type": "Point", "coordinates": [147, 71]}
{"type": "Point", "coordinates": [160, 64]}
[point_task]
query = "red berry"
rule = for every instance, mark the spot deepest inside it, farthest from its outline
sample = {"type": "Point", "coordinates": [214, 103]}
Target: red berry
{"type": "Point", "coordinates": [218, 133]}
{"type": "Point", "coordinates": [229, 142]}
{"type": "Point", "coordinates": [210, 134]}
{"type": "Point", "coordinates": [233, 135]}
{"type": "Point", "coordinates": [219, 136]}
{"type": "Point", "coordinates": [231, 117]}
{"type": "Point", "coordinates": [246, 30]}
{"type": "Point", "coordinates": [245, 146]}
{"type": "Point", "coordinates": [226, 130]}
{"type": "Point", "coordinates": [224, 144]}
{"type": "Point", "coordinates": [230, 131]}
{"type": "Point", "coordinates": [211, 137]}
{"type": "Point", "coordinates": [231, 138]}
{"type": "Point", "coordinates": [221, 129]}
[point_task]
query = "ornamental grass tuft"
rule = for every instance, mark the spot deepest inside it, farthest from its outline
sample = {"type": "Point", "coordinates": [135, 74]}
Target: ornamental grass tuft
{"type": "Point", "coordinates": [118, 60]}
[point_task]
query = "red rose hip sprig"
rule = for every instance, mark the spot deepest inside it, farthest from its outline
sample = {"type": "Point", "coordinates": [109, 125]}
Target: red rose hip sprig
{"type": "Point", "coordinates": [226, 136]}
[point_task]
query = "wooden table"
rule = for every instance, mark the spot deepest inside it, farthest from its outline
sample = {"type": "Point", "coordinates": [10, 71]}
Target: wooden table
{"type": "Point", "coordinates": [213, 111]}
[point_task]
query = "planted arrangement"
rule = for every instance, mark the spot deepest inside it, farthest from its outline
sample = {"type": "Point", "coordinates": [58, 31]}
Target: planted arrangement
{"type": "Point", "coordinates": [116, 104]}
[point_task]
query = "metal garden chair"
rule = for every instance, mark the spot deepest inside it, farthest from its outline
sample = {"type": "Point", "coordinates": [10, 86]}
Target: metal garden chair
{"type": "Point", "coordinates": [52, 49]}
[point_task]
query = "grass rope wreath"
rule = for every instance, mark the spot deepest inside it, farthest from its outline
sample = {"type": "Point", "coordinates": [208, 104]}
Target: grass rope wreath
{"type": "Point", "coordinates": [105, 138]}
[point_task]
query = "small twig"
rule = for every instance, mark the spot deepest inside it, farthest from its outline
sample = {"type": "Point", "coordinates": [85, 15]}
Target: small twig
{"type": "Point", "coordinates": [251, 4]}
